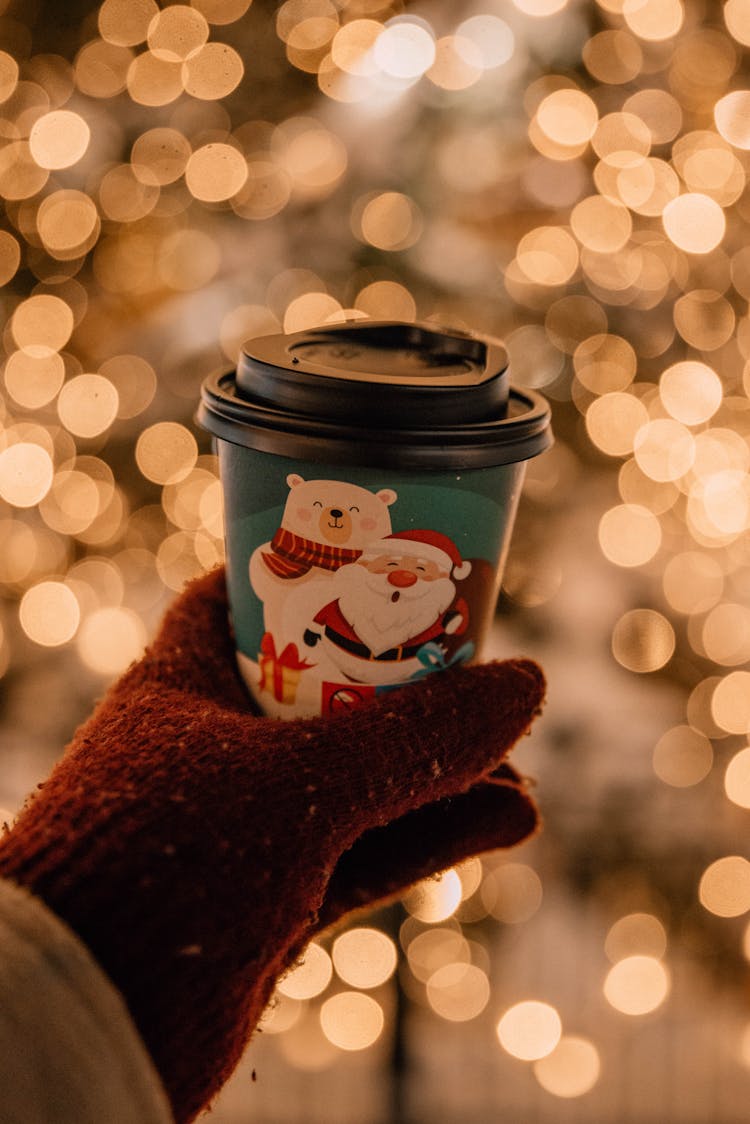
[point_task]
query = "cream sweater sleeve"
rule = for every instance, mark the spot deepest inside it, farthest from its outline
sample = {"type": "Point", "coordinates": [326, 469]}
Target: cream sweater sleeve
{"type": "Point", "coordinates": [69, 1051]}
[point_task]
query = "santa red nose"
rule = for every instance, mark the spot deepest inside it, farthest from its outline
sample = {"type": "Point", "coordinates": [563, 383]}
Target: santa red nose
{"type": "Point", "coordinates": [402, 579]}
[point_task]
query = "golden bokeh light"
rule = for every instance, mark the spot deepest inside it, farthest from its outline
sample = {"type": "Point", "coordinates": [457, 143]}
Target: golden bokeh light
{"type": "Point", "coordinates": [732, 117]}
{"type": "Point", "coordinates": [726, 634]}
{"type": "Point", "coordinates": [638, 488]}
{"type": "Point", "coordinates": [26, 473]}
{"type": "Point", "coordinates": [568, 117]}
{"type": "Point", "coordinates": [42, 324]}
{"type": "Point", "coordinates": [166, 452]}
{"type": "Point", "coordinates": [737, 778]}
{"type": "Point", "coordinates": [185, 555]}
{"type": "Point", "coordinates": [215, 172]}
{"type": "Point", "coordinates": [730, 702]}
{"type": "Point", "coordinates": [59, 139]}
{"type": "Point", "coordinates": [127, 195]}
{"type": "Point", "coordinates": [622, 140]}
{"type": "Point", "coordinates": [435, 899]}
{"type": "Point", "coordinates": [613, 422]}
{"type": "Point", "coordinates": [572, 1069]}
{"type": "Point", "coordinates": [10, 256]}
{"type": "Point", "coordinates": [654, 20]}
{"type": "Point", "coordinates": [724, 887]}
{"type": "Point", "coordinates": [491, 36]}
{"type": "Point", "coordinates": [637, 985]}
{"type": "Point", "coordinates": [710, 167]}
{"type": "Point", "coordinates": [435, 948]}
{"type": "Point", "coordinates": [605, 363]}
{"type": "Point", "coordinates": [512, 893]}
{"type": "Point", "coordinates": [314, 159]}
{"type": "Point", "coordinates": [694, 222]}
{"type": "Point", "coordinates": [458, 63]}
{"type": "Point", "coordinates": [547, 255]}
{"type": "Point", "coordinates": [154, 81]}
{"type": "Point", "coordinates": [101, 68]}
{"type": "Point", "coordinates": [212, 72]}
{"type": "Point", "coordinates": [386, 300]}
{"type": "Point", "coordinates": [351, 1020]}
{"type": "Point", "coordinates": [636, 934]}
{"type": "Point", "coordinates": [134, 380]}
{"type": "Point", "coordinates": [68, 224]}
{"type": "Point", "coordinates": [629, 535]}
{"type": "Point", "coordinates": [309, 311]}
{"type": "Point", "coordinates": [33, 381]}
{"type": "Point", "coordinates": [389, 220]}
{"type": "Point", "coordinates": [664, 449]}
{"type": "Point", "coordinates": [49, 614]}
{"type": "Point", "coordinates": [737, 19]}
{"type": "Point", "coordinates": [643, 640]}
{"type": "Point", "coordinates": [683, 757]}
{"type": "Point", "coordinates": [72, 503]}
{"type": "Point", "coordinates": [659, 110]}
{"type": "Point", "coordinates": [310, 976]}
{"type": "Point", "coordinates": [601, 224]}
{"type": "Point", "coordinates": [186, 503]}
{"type": "Point", "coordinates": [540, 9]}
{"type": "Point", "coordinates": [613, 56]}
{"type": "Point", "coordinates": [471, 874]}
{"type": "Point", "coordinates": [8, 75]}
{"type": "Point", "coordinates": [222, 11]}
{"type": "Point", "coordinates": [364, 957]}
{"type": "Point", "coordinates": [529, 1030]}
{"type": "Point", "coordinates": [458, 992]}
{"type": "Point", "coordinates": [126, 22]}
{"type": "Point", "coordinates": [177, 32]}
{"type": "Point", "coordinates": [164, 152]}
{"type": "Point", "coordinates": [405, 49]}
{"type": "Point", "coordinates": [110, 639]}
{"type": "Point", "coordinates": [719, 505]}
{"type": "Point", "coordinates": [87, 405]}
{"type": "Point", "coordinates": [352, 47]}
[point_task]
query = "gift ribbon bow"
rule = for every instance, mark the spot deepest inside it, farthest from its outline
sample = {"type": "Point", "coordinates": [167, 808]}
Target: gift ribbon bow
{"type": "Point", "coordinates": [432, 657]}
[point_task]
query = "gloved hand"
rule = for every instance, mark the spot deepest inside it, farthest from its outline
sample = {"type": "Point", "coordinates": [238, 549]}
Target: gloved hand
{"type": "Point", "coordinates": [196, 847]}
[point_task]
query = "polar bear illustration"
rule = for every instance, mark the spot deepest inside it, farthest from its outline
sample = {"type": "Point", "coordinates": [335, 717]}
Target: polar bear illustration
{"type": "Point", "coordinates": [326, 524]}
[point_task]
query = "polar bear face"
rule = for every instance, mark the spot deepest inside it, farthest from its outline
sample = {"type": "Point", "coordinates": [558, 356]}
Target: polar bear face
{"type": "Point", "coordinates": [337, 513]}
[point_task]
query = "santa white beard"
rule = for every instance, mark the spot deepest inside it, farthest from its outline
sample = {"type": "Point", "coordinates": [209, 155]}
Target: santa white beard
{"type": "Point", "coordinates": [366, 601]}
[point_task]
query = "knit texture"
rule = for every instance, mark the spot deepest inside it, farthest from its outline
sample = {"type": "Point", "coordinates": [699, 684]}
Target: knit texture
{"type": "Point", "coordinates": [196, 847]}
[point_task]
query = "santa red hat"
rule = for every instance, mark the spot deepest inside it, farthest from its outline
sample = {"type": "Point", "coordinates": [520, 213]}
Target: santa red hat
{"type": "Point", "coordinates": [432, 546]}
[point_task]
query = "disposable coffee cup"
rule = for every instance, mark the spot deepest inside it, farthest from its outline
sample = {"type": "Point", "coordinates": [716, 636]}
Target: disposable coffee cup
{"type": "Point", "coordinates": [371, 474]}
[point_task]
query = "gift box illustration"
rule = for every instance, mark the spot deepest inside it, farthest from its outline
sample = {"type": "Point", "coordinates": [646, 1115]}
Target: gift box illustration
{"type": "Point", "coordinates": [280, 673]}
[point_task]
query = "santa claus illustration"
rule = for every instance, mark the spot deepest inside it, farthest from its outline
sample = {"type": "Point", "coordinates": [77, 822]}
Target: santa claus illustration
{"type": "Point", "coordinates": [397, 597]}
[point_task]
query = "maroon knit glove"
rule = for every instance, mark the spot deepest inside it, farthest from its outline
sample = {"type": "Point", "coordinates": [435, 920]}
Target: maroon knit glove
{"type": "Point", "coordinates": [196, 848]}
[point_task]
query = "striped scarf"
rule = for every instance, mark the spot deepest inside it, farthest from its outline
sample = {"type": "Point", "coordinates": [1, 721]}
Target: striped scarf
{"type": "Point", "coordinates": [292, 556]}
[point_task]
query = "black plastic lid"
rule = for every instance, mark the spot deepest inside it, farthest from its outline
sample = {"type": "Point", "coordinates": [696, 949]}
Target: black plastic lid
{"type": "Point", "coordinates": [380, 394]}
{"type": "Point", "coordinates": [372, 372]}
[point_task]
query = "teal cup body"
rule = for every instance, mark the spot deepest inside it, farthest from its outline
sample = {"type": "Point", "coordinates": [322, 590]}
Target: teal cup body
{"type": "Point", "coordinates": [365, 551]}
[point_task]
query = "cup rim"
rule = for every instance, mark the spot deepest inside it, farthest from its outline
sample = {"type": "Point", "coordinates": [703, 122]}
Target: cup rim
{"type": "Point", "coordinates": [523, 432]}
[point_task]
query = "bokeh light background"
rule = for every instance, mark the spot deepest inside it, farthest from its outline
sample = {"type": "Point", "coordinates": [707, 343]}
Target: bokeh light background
{"type": "Point", "coordinates": [571, 176]}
